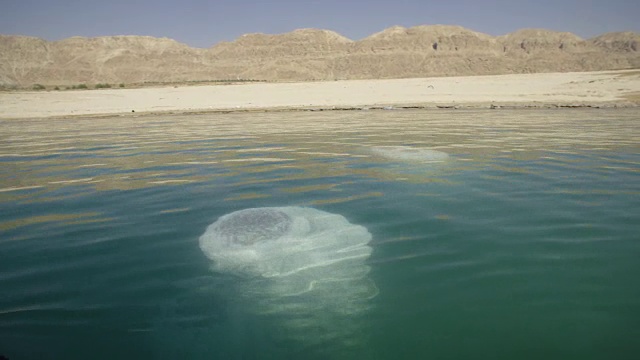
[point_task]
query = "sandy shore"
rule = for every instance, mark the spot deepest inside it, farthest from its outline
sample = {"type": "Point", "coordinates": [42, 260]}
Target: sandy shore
{"type": "Point", "coordinates": [610, 88]}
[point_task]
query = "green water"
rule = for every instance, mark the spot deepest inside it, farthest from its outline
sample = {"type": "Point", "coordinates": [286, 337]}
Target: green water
{"type": "Point", "coordinates": [523, 244]}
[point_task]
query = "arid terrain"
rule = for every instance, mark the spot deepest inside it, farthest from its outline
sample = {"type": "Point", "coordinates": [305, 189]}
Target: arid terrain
{"type": "Point", "coordinates": [308, 55]}
{"type": "Point", "coordinates": [544, 90]}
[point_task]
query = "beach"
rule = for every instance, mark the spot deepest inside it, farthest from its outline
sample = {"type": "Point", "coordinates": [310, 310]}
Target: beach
{"type": "Point", "coordinates": [589, 89]}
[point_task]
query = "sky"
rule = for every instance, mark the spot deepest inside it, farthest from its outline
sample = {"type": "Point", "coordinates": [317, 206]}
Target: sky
{"type": "Point", "coordinates": [203, 23]}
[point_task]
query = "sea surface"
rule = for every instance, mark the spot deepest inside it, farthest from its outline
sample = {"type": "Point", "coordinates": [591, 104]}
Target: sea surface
{"type": "Point", "coordinates": [493, 234]}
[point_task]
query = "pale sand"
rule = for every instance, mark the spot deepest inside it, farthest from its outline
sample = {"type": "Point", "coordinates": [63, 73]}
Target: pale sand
{"type": "Point", "coordinates": [608, 88]}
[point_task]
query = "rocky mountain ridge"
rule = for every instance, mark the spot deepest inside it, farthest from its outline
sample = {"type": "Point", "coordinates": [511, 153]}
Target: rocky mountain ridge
{"type": "Point", "coordinates": [311, 54]}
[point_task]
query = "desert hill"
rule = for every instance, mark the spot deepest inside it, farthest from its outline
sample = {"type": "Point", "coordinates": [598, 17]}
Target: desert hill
{"type": "Point", "coordinates": [311, 54]}
{"type": "Point", "coordinates": [618, 41]}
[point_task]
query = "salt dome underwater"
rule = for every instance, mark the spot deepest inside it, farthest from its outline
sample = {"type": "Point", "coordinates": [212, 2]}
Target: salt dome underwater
{"type": "Point", "coordinates": [304, 266]}
{"type": "Point", "coordinates": [410, 154]}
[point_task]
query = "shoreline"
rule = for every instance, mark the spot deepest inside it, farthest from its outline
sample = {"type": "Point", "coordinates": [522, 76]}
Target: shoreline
{"type": "Point", "coordinates": [443, 107]}
{"type": "Point", "coordinates": [603, 89]}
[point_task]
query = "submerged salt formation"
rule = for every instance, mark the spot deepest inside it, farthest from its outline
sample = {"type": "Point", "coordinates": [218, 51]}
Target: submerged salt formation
{"type": "Point", "coordinates": [410, 154]}
{"type": "Point", "coordinates": [303, 266]}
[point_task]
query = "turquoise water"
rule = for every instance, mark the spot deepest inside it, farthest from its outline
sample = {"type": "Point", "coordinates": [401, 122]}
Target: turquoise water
{"type": "Point", "coordinates": [522, 244]}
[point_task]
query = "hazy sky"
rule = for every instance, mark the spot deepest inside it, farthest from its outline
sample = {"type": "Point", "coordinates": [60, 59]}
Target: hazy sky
{"type": "Point", "coordinates": [203, 23]}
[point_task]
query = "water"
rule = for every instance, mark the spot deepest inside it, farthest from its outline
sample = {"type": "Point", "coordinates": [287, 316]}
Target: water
{"type": "Point", "coordinates": [523, 243]}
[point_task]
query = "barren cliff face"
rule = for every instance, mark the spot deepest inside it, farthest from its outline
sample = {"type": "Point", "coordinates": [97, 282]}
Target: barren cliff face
{"type": "Point", "coordinates": [310, 54]}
